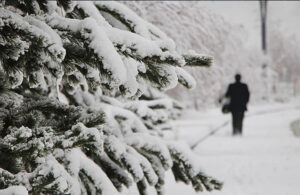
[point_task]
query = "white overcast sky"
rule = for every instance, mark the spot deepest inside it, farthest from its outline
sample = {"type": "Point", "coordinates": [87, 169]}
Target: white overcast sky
{"type": "Point", "coordinates": [247, 13]}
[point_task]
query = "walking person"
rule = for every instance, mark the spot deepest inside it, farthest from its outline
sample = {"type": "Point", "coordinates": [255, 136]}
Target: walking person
{"type": "Point", "coordinates": [238, 94]}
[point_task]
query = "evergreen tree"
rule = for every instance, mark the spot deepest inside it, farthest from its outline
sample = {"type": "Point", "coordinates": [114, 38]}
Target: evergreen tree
{"type": "Point", "coordinates": [81, 104]}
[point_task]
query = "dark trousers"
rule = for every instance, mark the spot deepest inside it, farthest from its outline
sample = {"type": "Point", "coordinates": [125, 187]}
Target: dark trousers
{"type": "Point", "coordinates": [237, 122]}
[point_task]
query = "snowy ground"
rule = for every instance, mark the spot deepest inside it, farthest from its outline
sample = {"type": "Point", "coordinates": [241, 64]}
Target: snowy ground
{"type": "Point", "coordinates": [264, 161]}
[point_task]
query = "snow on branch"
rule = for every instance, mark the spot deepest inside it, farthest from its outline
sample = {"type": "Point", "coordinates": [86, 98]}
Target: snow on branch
{"type": "Point", "coordinates": [133, 21]}
{"type": "Point", "coordinates": [185, 78]}
{"type": "Point", "coordinates": [97, 40]}
{"type": "Point", "coordinates": [16, 190]}
{"type": "Point", "coordinates": [186, 169]}
{"type": "Point", "coordinates": [197, 60]}
{"type": "Point", "coordinates": [77, 112]}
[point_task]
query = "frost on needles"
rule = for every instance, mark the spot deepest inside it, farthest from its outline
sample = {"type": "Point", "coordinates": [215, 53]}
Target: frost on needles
{"type": "Point", "coordinates": [81, 103]}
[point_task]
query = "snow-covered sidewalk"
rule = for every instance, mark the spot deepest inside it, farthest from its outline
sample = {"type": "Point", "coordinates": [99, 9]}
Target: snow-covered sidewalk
{"type": "Point", "coordinates": [264, 161]}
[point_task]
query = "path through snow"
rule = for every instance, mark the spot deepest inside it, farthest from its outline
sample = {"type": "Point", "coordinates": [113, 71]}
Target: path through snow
{"type": "Point", "coordinates": [264, 161]}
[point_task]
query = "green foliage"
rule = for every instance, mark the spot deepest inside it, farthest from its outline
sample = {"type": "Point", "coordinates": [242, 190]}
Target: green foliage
{"type": "Point", "coordinates": [197, 60]}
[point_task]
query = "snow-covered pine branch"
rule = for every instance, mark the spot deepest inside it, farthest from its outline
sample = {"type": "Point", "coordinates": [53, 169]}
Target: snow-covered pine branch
{"type": "Point", "coordinates": [79, 111]}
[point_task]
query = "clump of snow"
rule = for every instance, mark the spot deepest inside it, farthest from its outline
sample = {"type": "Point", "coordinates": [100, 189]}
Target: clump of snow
{"type": "Point", "coordinates": [185, 78]}
{"type": "Point", "coordinates": [139, 26]}
{"type": "Point", "coordinates": [93, 32]}
{"type": "Point", "coordinates": [14, 190]}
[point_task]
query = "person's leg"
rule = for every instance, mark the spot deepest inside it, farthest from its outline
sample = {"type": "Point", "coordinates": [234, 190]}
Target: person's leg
{"type": "Point", "coordinates": [241, 124]}
{"type": "Point", "coordinates": [234, 123]}
{"type": "Point", "coordinates": [240, 117]}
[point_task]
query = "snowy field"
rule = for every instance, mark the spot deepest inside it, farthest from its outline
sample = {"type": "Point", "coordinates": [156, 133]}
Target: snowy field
{"type": "Point", "coordinates": [264, 161]}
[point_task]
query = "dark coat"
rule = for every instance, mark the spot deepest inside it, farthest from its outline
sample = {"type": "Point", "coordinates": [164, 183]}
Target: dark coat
{"type": "Point", "coordinates": [238, 94]}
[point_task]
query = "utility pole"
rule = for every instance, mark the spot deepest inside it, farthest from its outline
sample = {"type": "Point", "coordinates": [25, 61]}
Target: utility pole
{"type": "Point", "coordinates": [265, 71]}
{"type": "Point", "coordinates": [263, 14]}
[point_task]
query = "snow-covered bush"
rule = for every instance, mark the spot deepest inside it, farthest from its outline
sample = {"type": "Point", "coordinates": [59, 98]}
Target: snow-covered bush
{"type": "Point", "coordinates": [284, 52]}
{"type": "Point", "coordinates": [192, 26]}
{"type": "Point", "coordinates": [81, 104]}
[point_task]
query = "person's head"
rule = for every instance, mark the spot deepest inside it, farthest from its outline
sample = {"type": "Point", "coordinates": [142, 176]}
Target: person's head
{"type": "Point", "coordinates": [237, 77]}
